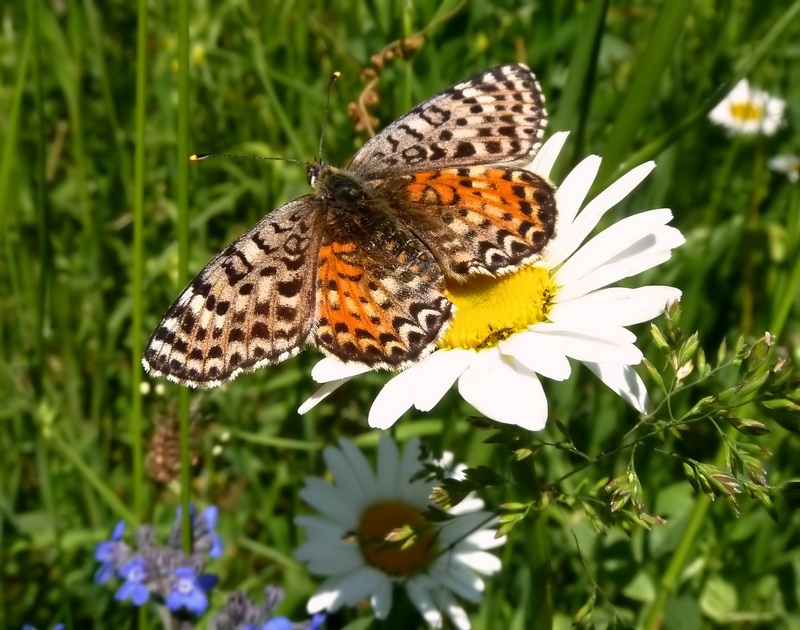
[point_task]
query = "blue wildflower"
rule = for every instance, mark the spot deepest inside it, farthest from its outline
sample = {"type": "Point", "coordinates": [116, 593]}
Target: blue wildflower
{"type": "Point", "coordinates": [210, 516]}
{"type": "Point", "coordinates": [242, 613]}
{"type": "Point", "coordinates": [58, 626]}
{"type": "Point", "coordinates": [108, 553]}
{"type": "Point", "coordinates": [134, 573]}
{"type": "Point", "coordinates": [189, 590]}
{"type": "Point", "coordinates": [204, 536]}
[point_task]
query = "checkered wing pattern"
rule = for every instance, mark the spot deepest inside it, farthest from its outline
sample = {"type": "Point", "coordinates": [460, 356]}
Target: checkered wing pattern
{"type": "Point", "coordinates": [252, 305]}
{"type": "Point", "coordinates": [380, 293]}
{"type": "Point", "coordinates": [479, 219]}
{"type": "Point", "coordinates": [495, 117]}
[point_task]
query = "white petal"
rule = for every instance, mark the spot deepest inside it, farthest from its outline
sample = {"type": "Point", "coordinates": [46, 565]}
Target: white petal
{"type": "Point", "coordinates": [504, 390]}
{"type": "Point", "coordinates": [330, 369]}
{"type": "Point", "coordinates": [458, 529]}
{"type": "Point", "coordinates": [318, 527]}
{"type": "Point", "coordinates": [348, 589]}
{"type": "Point", "coordinates": [338, 504]}
{"type": "Point", "coordinates": [649, 252]}
{"type": "Point", "coordinates": [615, 306]}
{"type": "Point", "coordinates": [348, 478]}
{"type": "Point", "coordinates": [422, 600]}
{"type": "Point", "coordinates": [330, 557]}
{"type": "Point", "coordinates": [594, 211]}
{"type": "Point", "coordinates": [539, 354]}
{"type": "Point", "coordinates": [464, 583]}
{"type": "Point", "coordinates": [623, 381]}
{"type": "Point", "coordinates": [436, 374]}
{"type": "Point", "coordinates": [589, 348]}
{"type": "Point", "coordinates": [610, 243]}
{"type": "Point", "coordinates": [381, 599]}
{"type": "Point", "coordinates": [458, 616]}
{"type": "Point", "coordinates": [321, 394]}
{"type": "Point", "coordinates": [396, 397]}
{"type": "Point", "coordinates": [572, 193]}
{"type": "Point", "coordinates": [388, 466]}
{"type": "Point", "coordinates": [611, 333]}
{"type": "Point", "coordinates": [480, 561]}
{"type": "Point", "coordinates": [544, 160]}
{"type": "Point", "coordinates": [480, 541]}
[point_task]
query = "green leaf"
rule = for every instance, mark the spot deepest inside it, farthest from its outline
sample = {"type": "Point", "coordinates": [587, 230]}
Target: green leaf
{"type": "Point", "coordinates": [718, 601]}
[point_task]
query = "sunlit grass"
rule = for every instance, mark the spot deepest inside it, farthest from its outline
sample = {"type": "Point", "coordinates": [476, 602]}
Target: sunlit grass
{"type": "Point", "coordinates": [102, 219]}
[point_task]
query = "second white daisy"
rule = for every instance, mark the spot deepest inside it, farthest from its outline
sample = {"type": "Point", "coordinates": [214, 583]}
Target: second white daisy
{"type": "Point", "coordinates": [347, 540]}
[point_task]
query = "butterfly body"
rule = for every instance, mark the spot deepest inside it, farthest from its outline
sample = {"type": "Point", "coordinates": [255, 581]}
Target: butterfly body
{"type": "Point", "coordinates": [359, 267]}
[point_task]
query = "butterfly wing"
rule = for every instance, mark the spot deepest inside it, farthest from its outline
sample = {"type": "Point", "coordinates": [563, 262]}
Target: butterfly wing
{"type": "Point", "coordinates": [496, 117]}
{"type": "Point", "coordinates": [478, 219]}
{"type": "Point", "coordinates": [252, 305]}
{"type": "Point", "coordinates": [380, 293]}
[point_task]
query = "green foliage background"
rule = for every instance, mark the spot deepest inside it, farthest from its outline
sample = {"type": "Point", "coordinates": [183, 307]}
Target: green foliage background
{"type": "Point", "coordinates": [632, 80]}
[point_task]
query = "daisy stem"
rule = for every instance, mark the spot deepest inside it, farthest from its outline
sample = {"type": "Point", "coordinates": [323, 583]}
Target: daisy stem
{"type": "Point", "coordinates": [538, 552]}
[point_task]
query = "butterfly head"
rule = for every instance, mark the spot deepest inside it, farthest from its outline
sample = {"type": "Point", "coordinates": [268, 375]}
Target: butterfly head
{"type": "Point", "coordinates": [313, 171]}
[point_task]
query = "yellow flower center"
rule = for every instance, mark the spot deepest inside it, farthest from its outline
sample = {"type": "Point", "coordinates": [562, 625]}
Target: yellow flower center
{"type": "Point", "coordinates": [747, 111]}
{"type": "Point", "coordinates": [406, 554]}
{"type": "Point", "coordinates": [490, 309]}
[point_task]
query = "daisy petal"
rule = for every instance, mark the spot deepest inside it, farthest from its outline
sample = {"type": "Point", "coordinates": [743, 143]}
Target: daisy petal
{"type": "Point", "coordinates": [545, 158]}
{"type": "Point", "coordinates": [649, 252]}
{"type": "Point", "coordinates": [611, 242]}
{"type": "Point", "coordinates": [538, 353]}
{"type": "Point", "coordinates": [504, 390]}
{"type": "Point", "coordinates": [583, 347]}
{"type": "Point", "coordinates": [572, 193]}
{"type": "Point", "coordinates": [422, 600]}
{"type": "Point", "coordinates": [615, 306]}
{"type": "Point", "coordinates": [330, 369]}
{"type": "Point", "coordinates": [381, 600]}
{"type": "Point", "coordinates": [594, 211]}
{"type": "Point", "coordinates": [623, 381]}
{"type": "Point", "coordinates": [436, 375]}
{"type": "Point", "coordinates": [396, 397]}
{"type": "Point", "coordinates": [321, 394]}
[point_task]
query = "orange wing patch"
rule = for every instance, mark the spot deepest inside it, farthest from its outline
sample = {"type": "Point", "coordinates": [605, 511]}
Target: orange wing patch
{"type": "Point", "coordinates": [482, 219]}
{"type": "Point", "coordinates": [379, 308]}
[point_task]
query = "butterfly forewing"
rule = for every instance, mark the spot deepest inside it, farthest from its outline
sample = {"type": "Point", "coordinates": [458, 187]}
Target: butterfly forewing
{"type": "Point", "coordinates": [252, 305]}
{"type": "Point", "coordinates": [495, 117]}
{"type": "Point", "coordinates": [381, 294]}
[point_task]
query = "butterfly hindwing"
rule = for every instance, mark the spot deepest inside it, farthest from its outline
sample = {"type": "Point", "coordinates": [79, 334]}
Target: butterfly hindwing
{"type": "Point", "coordinates": [479, 219]}
{"type": "Point", "coordinates": [495, 117]}
{"type": "Point", "coordinates": [252, 305]}
{"type": "Point", "coordinates": [380, 294]}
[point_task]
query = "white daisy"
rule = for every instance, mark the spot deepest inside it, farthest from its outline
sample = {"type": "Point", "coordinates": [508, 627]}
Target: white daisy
{"type": "Point", "coordinates": [789, 165]}
{"type": "Point", "coordinates": [347, 540]}
{"type": "Point", "coordinates": [749, 110]}
{"type": "Point", "coordinates": [509, 330]}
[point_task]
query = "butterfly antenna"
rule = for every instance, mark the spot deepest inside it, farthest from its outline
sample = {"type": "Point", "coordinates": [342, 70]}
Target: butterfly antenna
{"type": "Point", "coordinates": [332, 80]}
{"type": "Point", "coordinates": [196, 157]}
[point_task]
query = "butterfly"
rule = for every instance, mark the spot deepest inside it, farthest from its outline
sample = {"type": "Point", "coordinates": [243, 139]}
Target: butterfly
{"type": "Point", "coordinates": [359, 267]}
